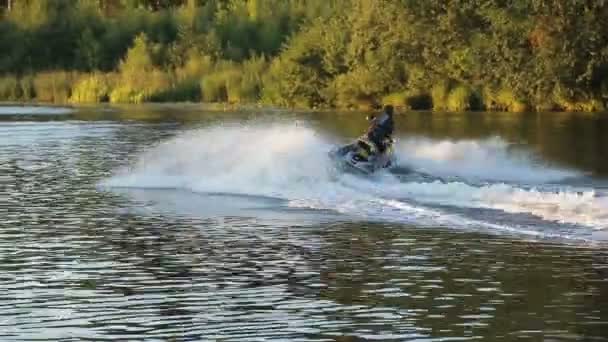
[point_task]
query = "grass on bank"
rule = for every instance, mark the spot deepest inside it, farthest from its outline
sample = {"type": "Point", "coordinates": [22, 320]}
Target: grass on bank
{"type": "Point", "coordinates": [233, 83]}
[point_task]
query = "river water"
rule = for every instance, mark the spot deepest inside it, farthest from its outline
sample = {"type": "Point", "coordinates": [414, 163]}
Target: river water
{"type": "Point", "coordinates": [175, 223]}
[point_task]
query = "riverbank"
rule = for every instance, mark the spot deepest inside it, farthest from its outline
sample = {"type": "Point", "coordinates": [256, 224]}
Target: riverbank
{"type": "Point", "coordinates": [82, 89]}
{"type": "Point", "coordinates": [36, 107]}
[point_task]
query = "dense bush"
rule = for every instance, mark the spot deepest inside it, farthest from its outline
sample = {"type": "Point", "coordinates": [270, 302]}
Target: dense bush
{"type": "Point", "coordinates": [92, 88]}
{"type": "Point", "coordinates": [10, 88]}
{"type": "Point", "coordinates": [139, 79]}
{"type": "Point", "coordinates": [54, 86]}
{"type": "Point", "coordinates": [456, 55]}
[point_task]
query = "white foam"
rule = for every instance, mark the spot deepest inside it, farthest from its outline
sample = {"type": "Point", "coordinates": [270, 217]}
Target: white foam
{"type": "Point", "coordinates": [490, 159]}
{"type": "Point", "coordinates": [565, 205]}
{"type": "Point", "coordinates": [290, 162]}
{"type": "Point", "coordinates": [275, 160]}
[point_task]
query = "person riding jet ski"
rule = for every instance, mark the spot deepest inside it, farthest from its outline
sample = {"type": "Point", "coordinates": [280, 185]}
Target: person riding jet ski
{"type": "Point", "coordinates": [381, 129]}
{"type": "Point", "coordinates": [372, 151]}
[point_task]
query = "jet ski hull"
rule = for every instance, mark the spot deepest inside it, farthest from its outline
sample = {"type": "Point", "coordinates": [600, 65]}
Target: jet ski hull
{"type": "Point", "coordinates": [362, 157]}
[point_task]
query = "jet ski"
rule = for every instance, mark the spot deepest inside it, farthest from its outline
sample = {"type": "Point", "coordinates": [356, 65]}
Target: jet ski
{"type": "Point", "coordinates": [363, 156]}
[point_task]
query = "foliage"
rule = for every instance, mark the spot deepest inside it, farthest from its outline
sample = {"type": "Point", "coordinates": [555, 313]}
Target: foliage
{"type": "Point", "coordinates": [92, 88]}
{"type": "Point", "coordinates": [10, 89]}
{"type": "Point", "coordinates": [139, 79]}
{"type": "Point", "coordinates": [460, 99]}
{"type": "Point", "coordinates": [409, 100]}
{"type": "Point", "coordinates": [454, 55]}
{"type": "Point", "coordinates": [439, 95]}
{"type": "Point", "coordinates": [54, 86]}
{"type": "Point", "coordinates": [234, 83]}
{"type": "Point", "coordinates": [503, 100]}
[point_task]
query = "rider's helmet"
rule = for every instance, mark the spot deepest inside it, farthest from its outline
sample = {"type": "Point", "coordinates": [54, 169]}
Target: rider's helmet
{"type": "Point", "coordinates": [388, 109]}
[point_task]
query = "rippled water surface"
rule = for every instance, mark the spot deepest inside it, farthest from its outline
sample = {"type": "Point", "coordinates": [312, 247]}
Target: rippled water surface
{"type": "Point", "coordinates": [178, 224]}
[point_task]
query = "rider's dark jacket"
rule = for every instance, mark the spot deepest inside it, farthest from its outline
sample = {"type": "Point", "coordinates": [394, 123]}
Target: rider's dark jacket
{"type": "Point", "coordinates": [381, 128]}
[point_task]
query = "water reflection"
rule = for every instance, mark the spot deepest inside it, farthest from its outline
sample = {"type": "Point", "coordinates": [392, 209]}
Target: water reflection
{"type": "Point", "coordinates": [131, 276]}
{"type": "Point", "coordinates": [77, 263]}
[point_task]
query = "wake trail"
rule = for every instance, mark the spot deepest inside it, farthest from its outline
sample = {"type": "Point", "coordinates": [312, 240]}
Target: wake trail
{"type": "Point", "coordinates": [290, 162]}
{"type": "Point", "coordinates": [490, 159]}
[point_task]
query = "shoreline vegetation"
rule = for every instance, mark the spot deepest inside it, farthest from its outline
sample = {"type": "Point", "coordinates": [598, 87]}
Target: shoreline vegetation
{"type": "Point", "coordinates": [460, 55]}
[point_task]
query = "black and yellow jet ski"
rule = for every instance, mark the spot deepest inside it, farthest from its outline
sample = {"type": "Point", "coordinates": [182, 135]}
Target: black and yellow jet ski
{"type": "Point", "coordinates": [363, 156]}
